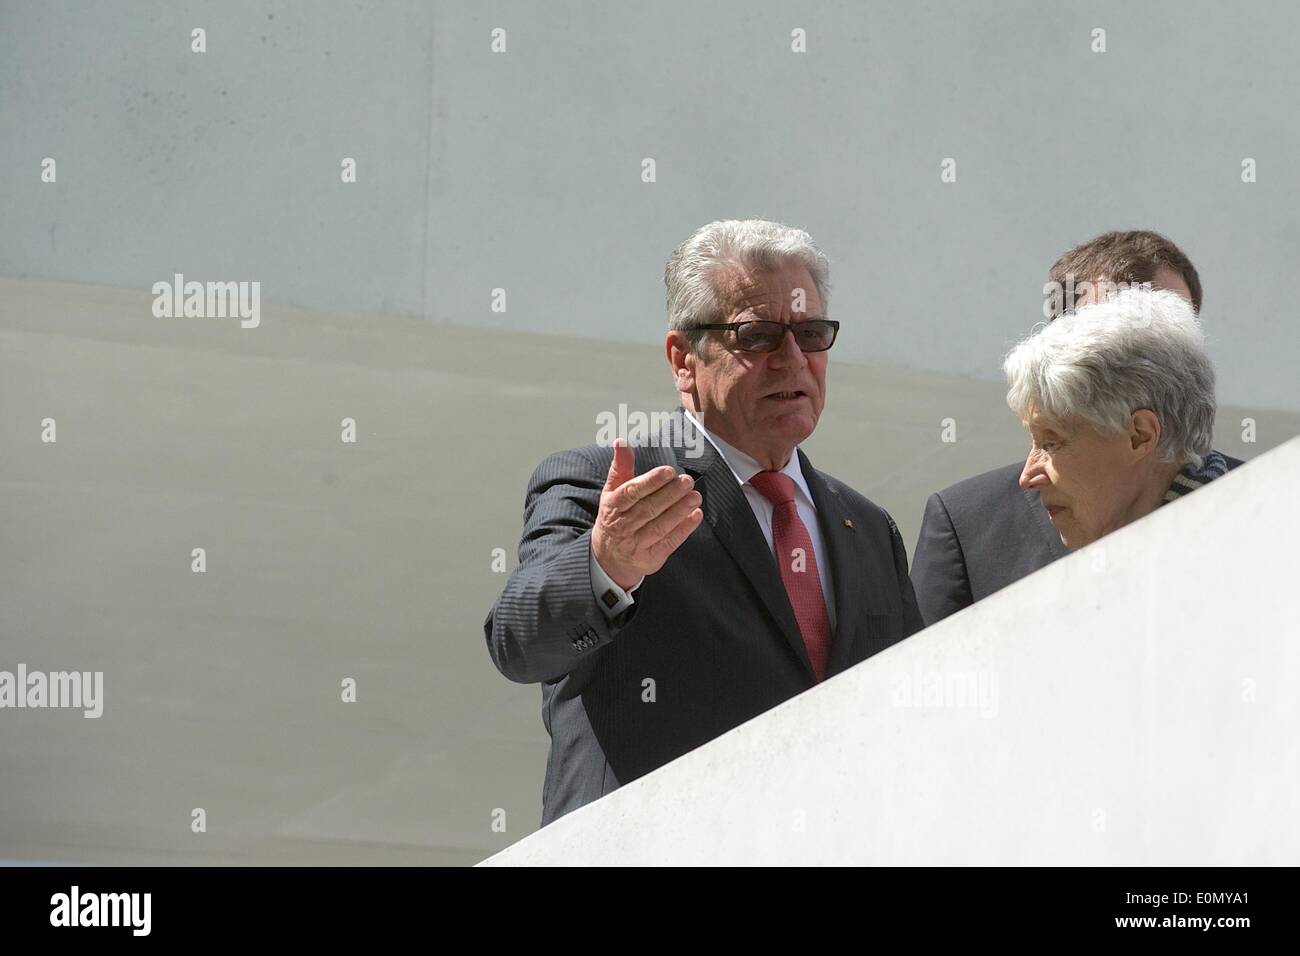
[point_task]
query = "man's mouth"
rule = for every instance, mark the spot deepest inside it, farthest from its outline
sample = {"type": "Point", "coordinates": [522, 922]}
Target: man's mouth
{"type": "Point", "coordinates": [786, 396]}
{"type": "Point", "coordinates": [1053, 510]}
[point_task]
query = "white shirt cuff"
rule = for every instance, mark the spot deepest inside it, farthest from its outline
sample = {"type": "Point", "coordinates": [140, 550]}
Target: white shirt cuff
{"type": "Point", "coordinates": [613, 600]}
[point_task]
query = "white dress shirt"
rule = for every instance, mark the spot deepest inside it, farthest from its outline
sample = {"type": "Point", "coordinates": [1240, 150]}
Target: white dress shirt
{"type": "Point", "coordinates": [744, 468]}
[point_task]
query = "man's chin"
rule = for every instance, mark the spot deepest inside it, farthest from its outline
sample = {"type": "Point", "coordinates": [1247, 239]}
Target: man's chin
{"type": "Point", "coordinates": [794, 426]}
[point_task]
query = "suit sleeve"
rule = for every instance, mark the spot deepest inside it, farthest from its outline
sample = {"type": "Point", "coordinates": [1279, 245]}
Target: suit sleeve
{"type": "Point", "coordinates": [547, 620]}
{"type": "Point", "coordinates": [912, 620]}
{"type": "Point", "coordinates": [939, 567]}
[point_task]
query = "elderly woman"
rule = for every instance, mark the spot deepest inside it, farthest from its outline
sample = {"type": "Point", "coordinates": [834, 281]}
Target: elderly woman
{"type": "Point", "coordinates": [1118, 398]}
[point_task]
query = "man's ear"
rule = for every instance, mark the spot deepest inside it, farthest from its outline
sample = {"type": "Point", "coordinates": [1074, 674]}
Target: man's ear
{"type": "Point", "coordinates": [1144, 432]}
{"type": "Point", "coordinates": [681, 360]}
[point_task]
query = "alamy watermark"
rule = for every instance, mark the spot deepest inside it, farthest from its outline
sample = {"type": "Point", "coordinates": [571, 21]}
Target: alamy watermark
{"type": "Point", "coordinates": [208, 300]}
{"type": "Point", "coordinates": [654, 429]}
{"type": "Point", "coordinates": [81, 690]}
{"type": "Point", "coordinates": [76, 908]}
{"type": "Point", "coordinates": [975, 690]}
{"type": "Point", "coordinates": [1062, 297]}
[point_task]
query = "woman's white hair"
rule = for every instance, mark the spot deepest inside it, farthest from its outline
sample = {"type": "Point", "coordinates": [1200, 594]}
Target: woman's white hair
{"type": "Point", "coordinates": [1141, 348]}
{"type": "Point", "coordinates": [752, 245]}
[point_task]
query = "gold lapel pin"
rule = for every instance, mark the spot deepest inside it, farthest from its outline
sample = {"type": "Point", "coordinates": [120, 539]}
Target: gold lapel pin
{"type": "Point", "coordinates": [848, 522]}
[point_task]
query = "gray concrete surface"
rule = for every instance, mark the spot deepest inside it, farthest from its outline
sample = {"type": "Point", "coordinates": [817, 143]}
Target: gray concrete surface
{"type": "Point", "coordinates": [325, 561]}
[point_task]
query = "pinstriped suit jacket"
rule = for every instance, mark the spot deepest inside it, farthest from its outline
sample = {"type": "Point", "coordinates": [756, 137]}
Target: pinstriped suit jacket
{"type": "Point", "coordinates": [713, 628]}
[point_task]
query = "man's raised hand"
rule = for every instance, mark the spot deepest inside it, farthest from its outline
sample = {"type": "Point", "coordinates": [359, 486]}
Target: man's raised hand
{"type": "Point", "coordinates": [642, 519]}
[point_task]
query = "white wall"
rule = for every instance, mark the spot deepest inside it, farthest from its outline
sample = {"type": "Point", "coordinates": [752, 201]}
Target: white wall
{"type": "Point", "coordinates": [522, 170]}
{"type": "Point", "coordinates": [1141, 709]}
{"type": "Point", "coordinates": [224, 164]}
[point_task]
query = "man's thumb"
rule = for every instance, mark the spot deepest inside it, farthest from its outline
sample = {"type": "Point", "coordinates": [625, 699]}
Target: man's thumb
{"type": "Point", "coordinates": [622, 467]}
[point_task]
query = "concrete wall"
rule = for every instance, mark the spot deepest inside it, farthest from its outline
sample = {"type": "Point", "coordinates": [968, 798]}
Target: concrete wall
{"type": "Point", "coordinates": [1133, 704]}
{"type": "Point", "coordinates": [522, 170]}
{"type": "Point", "coordinates": [224, 164]}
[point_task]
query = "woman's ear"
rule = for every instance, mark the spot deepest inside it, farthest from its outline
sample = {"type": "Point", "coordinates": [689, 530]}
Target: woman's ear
{"type": "Point", "coordinates": [1144, 432]}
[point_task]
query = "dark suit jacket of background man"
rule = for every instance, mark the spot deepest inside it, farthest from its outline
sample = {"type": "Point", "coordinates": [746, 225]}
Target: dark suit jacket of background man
{"type": "Point", "coordinates": [713, 628]}
{"type": "Point", "coordinates": [980, 535]}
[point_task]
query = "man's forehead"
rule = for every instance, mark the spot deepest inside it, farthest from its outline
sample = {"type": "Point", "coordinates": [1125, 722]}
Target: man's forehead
{"type": "Point", "coordinates": [773, 290]}
{"type": "Point", "coordinates": [1037, 421]}
{"type": "Point", "coordinates": [1173, 280]}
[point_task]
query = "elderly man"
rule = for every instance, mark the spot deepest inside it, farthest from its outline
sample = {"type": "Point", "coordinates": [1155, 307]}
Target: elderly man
{"type": "Point", "coordinates": [667, 593]}
{"type": "Point", "coordinates": [986, 532]}
{"type": "Point", "coordinates": [1118, 399]}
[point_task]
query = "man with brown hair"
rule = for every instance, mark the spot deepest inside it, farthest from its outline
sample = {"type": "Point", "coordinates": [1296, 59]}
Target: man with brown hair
{"type": "Point", "coordinates": [986, 532]}
{"type": "Point", "coordinates": [1086, 272]}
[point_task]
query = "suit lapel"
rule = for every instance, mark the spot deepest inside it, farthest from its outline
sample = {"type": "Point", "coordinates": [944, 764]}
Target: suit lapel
{"type": "Point", "coordinates": [734, 525]}
{"type": "Point", "coordinates": [849, 563]}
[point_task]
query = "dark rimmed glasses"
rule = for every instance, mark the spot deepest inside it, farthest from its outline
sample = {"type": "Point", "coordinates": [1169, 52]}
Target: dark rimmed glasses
{"type": "Point", "coordinates": [764, 335]}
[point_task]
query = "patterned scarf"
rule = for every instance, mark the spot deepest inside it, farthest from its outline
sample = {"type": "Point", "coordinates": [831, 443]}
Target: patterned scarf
{"type": "Point", "coordinates": [1189, 479]}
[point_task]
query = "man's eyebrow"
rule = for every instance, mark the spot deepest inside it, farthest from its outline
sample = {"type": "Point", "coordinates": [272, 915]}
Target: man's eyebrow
{"type": "Point", "coordinates": [793, 321]}
{"type": "Point", "coordinates": [801, 317]}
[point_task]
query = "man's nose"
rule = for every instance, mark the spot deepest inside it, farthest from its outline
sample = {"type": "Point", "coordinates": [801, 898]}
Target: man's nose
{"type": "Point", "coordinates": [1033, 475]}
{"type": "Point", "coordinates": [788, 353]}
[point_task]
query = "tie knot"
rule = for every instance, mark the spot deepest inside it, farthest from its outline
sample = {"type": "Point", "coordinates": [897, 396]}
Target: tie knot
{"type": "Point", "coordinates": [774, 486]}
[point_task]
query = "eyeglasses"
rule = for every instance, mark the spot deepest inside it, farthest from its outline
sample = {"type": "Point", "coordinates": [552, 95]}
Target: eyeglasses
{"type": "Point", "coordinates": [764, 335]}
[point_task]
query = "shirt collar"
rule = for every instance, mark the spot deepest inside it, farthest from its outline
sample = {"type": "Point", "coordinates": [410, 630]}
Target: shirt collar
{"type": "Point", "coordinates": [744, 467]}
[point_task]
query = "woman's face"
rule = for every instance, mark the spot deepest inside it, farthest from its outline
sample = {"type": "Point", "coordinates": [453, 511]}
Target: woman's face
{"type": "Point", "coordinates": [1090, 483]}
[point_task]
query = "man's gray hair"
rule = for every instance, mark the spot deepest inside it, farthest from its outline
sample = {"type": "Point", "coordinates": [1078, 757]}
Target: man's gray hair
{"type": "Point", "coordinates": [752, 245]}
{"type": "Point", "coordinates": [1141, 348]}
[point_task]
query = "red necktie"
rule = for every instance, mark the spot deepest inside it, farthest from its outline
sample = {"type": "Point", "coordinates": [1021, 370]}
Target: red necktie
{"type": "Point", "coordinates": [797, 562]}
